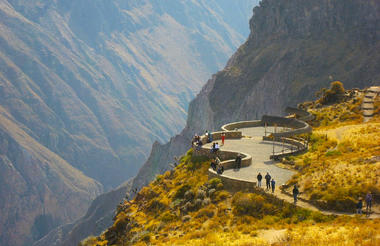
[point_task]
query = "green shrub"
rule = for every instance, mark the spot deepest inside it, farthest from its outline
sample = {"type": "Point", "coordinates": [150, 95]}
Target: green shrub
{"type": "Point", "coordinates": [332, 95]}
{"type": "Point", "coordinates": [145, 237]}
{"type": "Point", "coordinates": [251, 204]}
{"type": "Point", "coordinates": [168, 217]}
{"type": "Point", "coordinates": [155, 205]}
{"type": "Point", "coordinates": [180, 193]}
{"type": "Point", "coordinates": [220, 195]}
{"type": "Point", "coordinates": [213, 183]}
{"type": "Point", "coordinates": [333, 153]}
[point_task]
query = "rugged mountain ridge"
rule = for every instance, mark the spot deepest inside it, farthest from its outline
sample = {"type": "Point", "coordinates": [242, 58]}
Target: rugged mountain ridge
{"type": "Point", "coordinates": [294, 49]}
{"type": "Point", "coordinates": [94, 84]}
{"type": "Point", "coordinates": [91, 85]}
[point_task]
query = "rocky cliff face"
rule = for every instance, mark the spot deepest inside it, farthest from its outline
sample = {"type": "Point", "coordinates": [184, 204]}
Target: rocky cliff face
{"type": "Point", "coordinates": [294, 49]}
{"type": "Point", "coordinates": [92, 84]}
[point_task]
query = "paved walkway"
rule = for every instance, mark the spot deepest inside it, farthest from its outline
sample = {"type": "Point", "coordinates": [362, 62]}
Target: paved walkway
{"type": "Point", "coordinates": [260, 150]}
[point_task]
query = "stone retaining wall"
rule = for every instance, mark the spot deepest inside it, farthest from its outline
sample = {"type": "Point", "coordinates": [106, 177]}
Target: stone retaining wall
{"type": "Point", "coordinates": [300, 147]}
{"type": "Point", "coordinates": [233, 185]}
{"type": "Point", "coordinates": [300, 114]}
{"type": "Point", "coordinates": [300, 127]}
{"type": "Point", "coordinates": [241, 124]}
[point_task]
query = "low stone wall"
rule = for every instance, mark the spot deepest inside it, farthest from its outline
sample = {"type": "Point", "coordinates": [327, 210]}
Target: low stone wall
{"type": "Point", "coordinates": [233, 185]}
{"type": "Point", "coordinates": [300, 147]}
{"type": "Point", "coordinates": [241, 124]}
{"type": "Point", "coordinates": [300, 114]}
{"type": "Point", "coordinates": [227, 157]}
{"type": "Point", "coordinates": [228, 135]}
{"type": "Point", "coordinates": [300, 127]}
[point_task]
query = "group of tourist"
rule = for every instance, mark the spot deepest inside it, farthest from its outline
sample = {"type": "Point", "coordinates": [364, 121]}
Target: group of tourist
{"type": "Point", "coordinates": [217, 166]}
{"type": "Point", "coordinates": [271, 184]}
{"type": "Point", "coordinates": [368, 201]}
{"type": "Point", "coordinates": [215, 147]}
{"type": "Point", "coordinates": [196, 142]}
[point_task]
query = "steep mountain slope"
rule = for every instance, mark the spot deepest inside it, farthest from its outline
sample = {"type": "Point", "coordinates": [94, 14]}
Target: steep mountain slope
{"type": "Point", "coordinates": [294, 49]}
{"type": "Point", "coordinates": [98, 217]}
{"type": "Point", "coordinates": [38, 189]}
{"type": "Point", "coordinates": [92, 84]}
{"type": "Point", "coordinates": [97, 81]}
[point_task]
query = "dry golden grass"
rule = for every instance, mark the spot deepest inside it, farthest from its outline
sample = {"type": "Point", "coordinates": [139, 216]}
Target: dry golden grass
{"type": "Point", "coordinates": [340, 166]}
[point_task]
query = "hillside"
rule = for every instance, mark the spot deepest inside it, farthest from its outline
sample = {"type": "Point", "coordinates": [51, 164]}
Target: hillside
{"type": "Point", "coordinates": [343, 162]}
{"type": "Point", "coordinates": [294, 49]}
{"type": "Point", "coordinates": [185, 207]}
{"type": "Point", "coordinates": [91, 85]}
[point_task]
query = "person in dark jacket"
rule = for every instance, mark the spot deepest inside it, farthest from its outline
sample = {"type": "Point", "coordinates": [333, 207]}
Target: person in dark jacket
{"type": "Point", "coordinates": [295, 193]}
{"type": "Point", "coordinates": [213, 165]}
{"type": "Point", "coordinates": [273, 184]}
{"type": "Point", "coordinates": [238, 161]}
{"type": "Point", "coordinates": [220, 169]}
{"type": "Point", "coordinates": [359, 206]}
{"type": "Point", "coordinates": [259, 178]}
{"type": "Point", "coordinates": [368, 201]}
{"type": "Point", "coordinates": [267, 179]}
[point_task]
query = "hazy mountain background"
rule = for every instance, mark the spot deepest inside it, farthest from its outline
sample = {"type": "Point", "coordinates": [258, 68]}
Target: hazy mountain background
{"type": "Point", "coordinates": [86, 86]}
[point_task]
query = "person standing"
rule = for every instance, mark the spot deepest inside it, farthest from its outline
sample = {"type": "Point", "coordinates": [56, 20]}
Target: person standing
{"type": "Point", "coordinates": [273, 184]}
{"type": "Point", "coordinates": [259, 178]}
{"type": "Point", "coordinates": [238, 161]}
{"type": "Point", "coordinates": [223, 137]}
{"type": "Point", "coordinates": [368, 201]}
{"type": "Point", "coordinates": [359, 206]}
{"type": "Point", "coordinates": [267, 179]}
{"type": "Point", "coordinates": [295, 194]}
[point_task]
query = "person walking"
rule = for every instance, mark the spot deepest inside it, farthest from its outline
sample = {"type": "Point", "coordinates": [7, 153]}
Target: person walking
{"type": "Point", "coordinates": [295, 194]}
{"type": "Point", "coordinates": [359, 206]}
{"type": "Point", "coordinates": [273, 184]}
{"type": "Point", "coordinates": [368, 201]}
{"type": "Point", "coordinates": [267, 179]}
{"type": "Point", "coordinates": [259, 178]}
{"type": "Point", "coordinates": [223, 137]}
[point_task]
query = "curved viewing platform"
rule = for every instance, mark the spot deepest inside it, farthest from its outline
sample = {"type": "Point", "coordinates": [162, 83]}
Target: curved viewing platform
{"type": "Point", "coordinates": [260, 143]}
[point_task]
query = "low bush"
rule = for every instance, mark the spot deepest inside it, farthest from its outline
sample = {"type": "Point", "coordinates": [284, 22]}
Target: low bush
{"type": "Point", "coordinates": [213, 183]}
{"type": "Point", "coordinates": [180, 193]}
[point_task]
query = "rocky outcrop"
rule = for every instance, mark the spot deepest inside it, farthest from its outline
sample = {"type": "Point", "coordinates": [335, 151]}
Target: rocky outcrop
{"type": "Point", "coordinates": [294, 49]}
